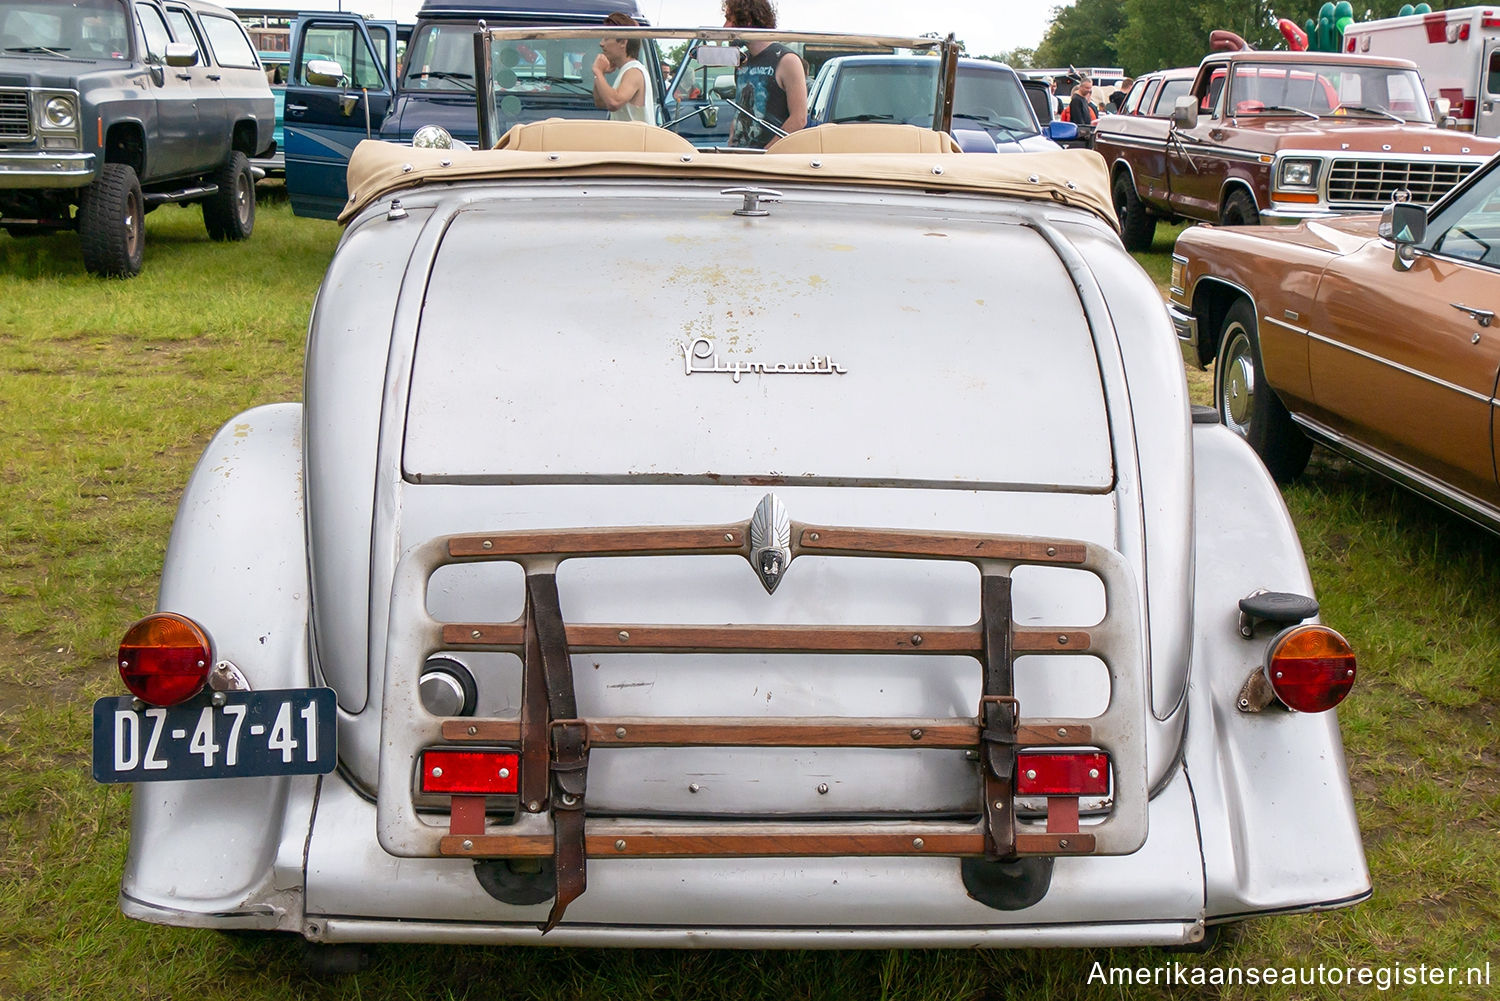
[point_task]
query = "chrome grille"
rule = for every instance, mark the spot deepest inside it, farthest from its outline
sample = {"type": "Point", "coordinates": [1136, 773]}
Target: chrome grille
{"type": "Point", "coordinates": [15, 114]}
{"type": "Point", "coordinates": [1373, 183]}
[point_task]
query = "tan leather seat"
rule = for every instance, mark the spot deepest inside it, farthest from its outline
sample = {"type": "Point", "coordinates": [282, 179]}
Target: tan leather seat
{"type": "Point", "coordinates": [865, 137]}
{"type": "Point", "coordinates": [592, 135]}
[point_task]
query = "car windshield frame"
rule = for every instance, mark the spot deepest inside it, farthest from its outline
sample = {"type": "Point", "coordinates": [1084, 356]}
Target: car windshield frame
{"type": "Point", "coordinates": [488, 42]}
{"type": "Point", "coordinates": [114, 38]}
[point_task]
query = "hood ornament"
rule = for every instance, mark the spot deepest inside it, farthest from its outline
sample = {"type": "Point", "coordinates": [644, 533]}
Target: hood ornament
{"type": "Point", "coordinates": [770, 541]}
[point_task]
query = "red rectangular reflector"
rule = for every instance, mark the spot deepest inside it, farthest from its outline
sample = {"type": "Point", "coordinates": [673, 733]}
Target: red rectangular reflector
{"type": "Point", "coordinates": [1067, 774]}
{"type": "Point", "coordinates": [468, 772]}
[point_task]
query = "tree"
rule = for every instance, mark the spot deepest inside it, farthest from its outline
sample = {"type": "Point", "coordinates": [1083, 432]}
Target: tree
{"type": "Point", "coordinates": [1162, 33]}
{"type": "Point", "coordinates": [1083, 34]}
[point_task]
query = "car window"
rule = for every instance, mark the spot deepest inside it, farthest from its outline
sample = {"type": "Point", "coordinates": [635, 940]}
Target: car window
{"type": "Point", "coordinates": [344, 44]}
{"type": "Point", "coordinates": [1469, 227]}
{"type": "Point", "coordinates": [182, 28]}
{"type": "Point", "coordinates": [228, 41]}
{"type": "Point", "coordinates": [1492, 76]}
{"type": "Point", "coordinates": [87, 29]}
{"type": "Point", "coordinates": [1171, 90]}
{"type": "Point", "coordinates": [157, 35]}
{"type": "Point", "coordinates": [1137, 95]}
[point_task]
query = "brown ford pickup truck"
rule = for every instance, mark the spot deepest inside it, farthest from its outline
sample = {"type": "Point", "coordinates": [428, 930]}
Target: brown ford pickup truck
{"type": "Point", "coordinates": [1281, 137]}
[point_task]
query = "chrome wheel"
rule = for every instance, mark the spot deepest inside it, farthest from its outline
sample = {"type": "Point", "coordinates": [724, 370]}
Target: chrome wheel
{"type": "Point", "coordinates": [1237, 382]}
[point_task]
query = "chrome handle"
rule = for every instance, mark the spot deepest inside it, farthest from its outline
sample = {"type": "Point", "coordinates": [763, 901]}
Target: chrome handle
{"type": "Point", "coordinates": [1484, 316]}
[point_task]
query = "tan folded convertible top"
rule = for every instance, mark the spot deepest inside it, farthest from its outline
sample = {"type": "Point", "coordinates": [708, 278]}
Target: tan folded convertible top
{"type": "Point", "coordinates": [630, 149]}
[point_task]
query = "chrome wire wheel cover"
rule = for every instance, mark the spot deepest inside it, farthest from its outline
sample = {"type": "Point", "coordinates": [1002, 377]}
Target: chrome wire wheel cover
{"type": "Point", "coordinates": [1237, 383]}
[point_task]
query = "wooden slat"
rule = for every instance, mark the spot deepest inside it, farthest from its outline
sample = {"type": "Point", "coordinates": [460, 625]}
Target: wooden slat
{"type": "Point", "coordinates": [616, 840]}
{"type": "Point", "coordinates": [952, 545]}
{"type": "Point", "coordinates": [739, 638]}
{"type": "Point", "coordinates": [732, 731]}
{"type": "Point", "coordinates": [596, 542]}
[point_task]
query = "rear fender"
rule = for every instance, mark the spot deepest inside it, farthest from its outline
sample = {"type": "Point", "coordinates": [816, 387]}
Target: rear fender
{"type": "Point", "coordinates": [228, 852]}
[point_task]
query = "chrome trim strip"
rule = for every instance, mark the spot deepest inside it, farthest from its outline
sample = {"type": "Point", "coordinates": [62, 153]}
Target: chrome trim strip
{"type": "Point", "coordinates": [1403, 475]}
{"type": "Point", "coordinates": [1287, 326]}
{"type": "Point", "coordinates": [1398, 367]}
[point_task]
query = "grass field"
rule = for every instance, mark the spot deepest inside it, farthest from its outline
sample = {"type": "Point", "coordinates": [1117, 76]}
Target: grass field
{"type": "Point", "coordinates": [108, 392]}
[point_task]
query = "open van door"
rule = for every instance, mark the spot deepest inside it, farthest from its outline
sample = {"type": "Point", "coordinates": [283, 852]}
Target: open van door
{"type": "Point", "coordinates": [341, 84]}
{"type": "Point", "coordinates": [1487, 114]}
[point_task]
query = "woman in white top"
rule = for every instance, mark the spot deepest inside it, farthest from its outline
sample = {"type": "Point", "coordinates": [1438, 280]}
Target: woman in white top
{"type": "Point", "coordinates": [620, 80]}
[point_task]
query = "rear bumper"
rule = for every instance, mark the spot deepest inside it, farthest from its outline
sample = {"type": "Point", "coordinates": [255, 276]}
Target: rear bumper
{"type": "Point", "coordinates": [1185, 325]}
{"type": "Point", "coordinates": [46, 170]}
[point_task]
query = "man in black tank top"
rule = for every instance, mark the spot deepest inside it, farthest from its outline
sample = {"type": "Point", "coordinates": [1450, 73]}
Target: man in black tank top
{"type": "Point", "coordinates": [771, 84]}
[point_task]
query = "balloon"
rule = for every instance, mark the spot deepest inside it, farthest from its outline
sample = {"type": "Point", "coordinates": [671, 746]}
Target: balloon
{"type": "Point", "coordinates": [1342, 10]}
{"type": "Point", "coordinates": [1226, 41]}
{"type": "Point", "coordinates": [1296, 38]}
{"type": "Point", "coordinates": [1423, 8]}
{"type": "Point", "coordinates": [1407, 10]}
{"type": "Point", "coordinates": [1343, 24]}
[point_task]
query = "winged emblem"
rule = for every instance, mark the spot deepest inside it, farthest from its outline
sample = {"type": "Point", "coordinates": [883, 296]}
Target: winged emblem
{"type": "Point", "coordinates": [770, 541]}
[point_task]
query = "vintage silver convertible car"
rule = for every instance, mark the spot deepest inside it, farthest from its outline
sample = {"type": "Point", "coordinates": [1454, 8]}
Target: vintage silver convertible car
{"type": "Point", "coordinates": [676, 548]}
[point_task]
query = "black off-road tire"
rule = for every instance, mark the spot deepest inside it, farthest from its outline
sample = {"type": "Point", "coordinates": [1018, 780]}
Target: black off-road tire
{"type": "Point", "coordinates": [1239, 210]}
{"type": "Point", "coordinates": [1247, 405]}
{"type": "Point", "coordinates": [112, 223]}
{"type": "Point", "coordinates": [1137, 225]}
{"type": "Point", "coordinates": [229, 213]}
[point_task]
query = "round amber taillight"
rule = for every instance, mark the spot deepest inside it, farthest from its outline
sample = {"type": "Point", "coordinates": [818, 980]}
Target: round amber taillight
{"type": "Point", "coordinates": [1311, 668]}
{"type": "Point", "coordinates": [165, 659]}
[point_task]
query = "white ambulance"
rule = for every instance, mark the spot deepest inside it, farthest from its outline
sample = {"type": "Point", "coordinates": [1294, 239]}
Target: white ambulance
{"type": "Point", "coordinates": [1459, 55]}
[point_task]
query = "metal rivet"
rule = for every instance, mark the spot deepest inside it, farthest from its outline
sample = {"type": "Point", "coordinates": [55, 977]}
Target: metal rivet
{"type": "Point", "coordinates": [813, 536]}
{"type": "Point", "coordinates": [137, 704]}
{"type": "Point", "coordinates": [999, 806]}
{"type": "Point", "coordinates": [200, 663]}
{"type": "Point", "coordinates": [406, 168]}
{"type": "Point", "coordinates": [1349, 674]}
{"type": "Point", "coordinates": [693, 787]}
{"type": "Point", "coordinates": [505, 773]}
{"type": "Point", "coordinates": [937, 170]}
{"type": "Point", "coordinates": [219, 698]}
{"type": "Point", "coordinates": [1072, 186]}
{"type": "Point", "coordinates": [1031, 773]}
{"type": "Point", "coordinates": [822, 788]}
{"type": "Point", "coordinates": [554, 156]}
{"type": "Point", "coordinates": [1064, 843]}
{"type": "Point", "coordinates": [473, 730]}
{"type": "Point", "coordinates": [533, 806]}
{"type": "Point", "coordinates": [916, 843]}
{"type": "Point", "coordinates": [619, 731]}
{"type": "Point", "coordinates": [124, 663]}
{"type": "Point", "coordinates": [816, 164]}
{"type": "Point", "coordinates": [1051, 550]}
{"type": "Point", "coordinates": [1034, 179]}
{"type": "Point", "coordinates": [1474, 339]}
{"type": "Point", "coordinates": [728, 536]}
{"type": "Point", "coordinates": [1093, 773]}
{"type": "Point", "coordinates": [916, 639]}
{"type": "Point", "coordinates": [468, 845]}
{"type": "Point", "coordinates": [1062, 731]}
{"type": "Point", "coordinates": [620, 845]}
{"type": "Point", "coordinates": [487, 544]}
{"type": "Point", "coordinates": [474, 634]}
{"type": "Point", "coordinates": [686, 158]}
{"type": "Point", "coordinates": [1062, 639]}
{"type": "Point", "coordinates": [1278, 674]}
{"type": "Point", "coordinates": [445, 163]}
{"type": "Point", "coordinates": [1244, 703]}
{"type": "Point", "coordinates": [916, 733]}
{"type": "Point", "coordinates": [624, 636]}
{"type": "Point", "coordinates": [437, 773]}
{"type": "Point", "coordinates": [569, 799]}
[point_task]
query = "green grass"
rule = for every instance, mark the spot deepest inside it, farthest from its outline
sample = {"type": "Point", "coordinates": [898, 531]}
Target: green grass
{"type": "Point", "coordinates": [108, 392]}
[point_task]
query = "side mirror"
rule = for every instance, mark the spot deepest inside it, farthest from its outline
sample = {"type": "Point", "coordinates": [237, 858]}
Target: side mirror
{"type": "Point", "coordinates": [724, 85]}
{"type": "Point", "coordinates": [1062, 131]}
{"type": "Point", "coordinates": [709, 116]}
{"type": "Point", "coordinates": [323, 73]}
{"type": "Point", "coordinates": [1405, 225]}
{"type": "Point", "coordinates": [1185, 112]}
{"type": "Point", "coordinates": [182, 54]}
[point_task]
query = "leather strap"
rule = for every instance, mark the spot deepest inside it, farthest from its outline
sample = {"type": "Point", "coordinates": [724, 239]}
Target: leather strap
{"type": "Point", "coordinates": [567, 741]}
{"type": "Point", "coordinates": [999, 715]}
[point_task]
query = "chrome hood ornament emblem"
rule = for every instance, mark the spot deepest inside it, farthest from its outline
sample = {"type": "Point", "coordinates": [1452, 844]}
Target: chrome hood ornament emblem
{"type": "Point", "coordinates": [770, 541]}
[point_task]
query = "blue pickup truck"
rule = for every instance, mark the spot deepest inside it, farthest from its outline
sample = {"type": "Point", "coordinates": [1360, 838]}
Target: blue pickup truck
{"type": "Point", "coordinates": [375, 94]}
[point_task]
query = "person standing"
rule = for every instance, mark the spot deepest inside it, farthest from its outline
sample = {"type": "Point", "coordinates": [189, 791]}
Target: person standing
{"type": "Point", "coordinates": [771, 84]}
{"type": "Point", "coordinates": [620, 81]}
{"type": "Point", "coordinates": [1081, 108]}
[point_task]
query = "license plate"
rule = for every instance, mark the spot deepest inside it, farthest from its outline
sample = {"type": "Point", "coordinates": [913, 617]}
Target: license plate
{"type": "Point", "coordinates": [286, 732]}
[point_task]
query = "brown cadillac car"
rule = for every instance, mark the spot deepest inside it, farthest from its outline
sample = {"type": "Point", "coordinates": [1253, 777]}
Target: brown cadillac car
{"type": "Point", "coordinates": [1372, 334]}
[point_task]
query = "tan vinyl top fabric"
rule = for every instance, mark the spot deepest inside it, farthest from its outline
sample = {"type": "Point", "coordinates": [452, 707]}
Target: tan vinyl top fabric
{"type": "Point", "coordinates": [865, 137]}
{"type": "Point", "coordinates": [592, 135]}
{"type": "Point", "coordinates": [1067, 177]}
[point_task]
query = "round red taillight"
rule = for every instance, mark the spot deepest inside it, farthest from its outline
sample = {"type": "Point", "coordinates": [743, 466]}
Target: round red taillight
{"type": "Point", "coordinates": [165, 659]}
{"type": "Point", "coordinates": [1311, 668]}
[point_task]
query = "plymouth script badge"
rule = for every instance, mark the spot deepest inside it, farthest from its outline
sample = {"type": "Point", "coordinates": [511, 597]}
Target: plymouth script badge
{"type": "Point", "coordinates": [701, 357]}
{"type": "Point", "coordinates": [770, 541]}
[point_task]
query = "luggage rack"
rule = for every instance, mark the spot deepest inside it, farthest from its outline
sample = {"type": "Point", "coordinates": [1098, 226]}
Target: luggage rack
{"type": "Point", "coordinates": [552, 744]}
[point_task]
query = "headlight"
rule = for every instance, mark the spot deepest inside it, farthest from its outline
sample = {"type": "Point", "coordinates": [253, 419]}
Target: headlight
{"type": "Point", "coordinates": [1298, 174]}
{"type": "Point", "coordinates": [432, 137]}
{"type": "Point", "coordinates": [60, 113]}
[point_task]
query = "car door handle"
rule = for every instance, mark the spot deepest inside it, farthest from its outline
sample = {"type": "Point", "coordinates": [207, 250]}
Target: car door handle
{"type": "Point", "coordinates": [1484, 316]}
{"type": "Point", "coordinates": [184, 76]}
{"type": "Point", "coordinates": [295, 109]}
{"type": "Point", "coordinates": [215, 77]}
